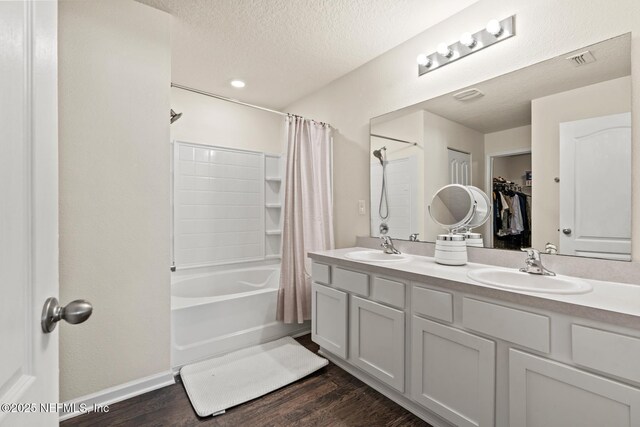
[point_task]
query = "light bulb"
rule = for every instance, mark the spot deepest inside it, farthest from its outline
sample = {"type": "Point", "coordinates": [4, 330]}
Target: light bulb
{"type": "Point", "coordinates": [494, 28]}
{"type": "Point", "coordinates": [238, 83]}
{"type": "Point", "coordinates": [423, 60]}
{"type": "Point", "coordinates": [467, 40]}
{"type": "Point", "coordinates": [444, 50]}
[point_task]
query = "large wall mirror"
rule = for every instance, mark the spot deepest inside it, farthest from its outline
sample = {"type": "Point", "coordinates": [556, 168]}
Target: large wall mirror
{"type": "Point", "coordinates": [550, 144]}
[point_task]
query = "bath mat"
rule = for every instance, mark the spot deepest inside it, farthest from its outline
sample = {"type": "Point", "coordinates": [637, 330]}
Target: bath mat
{"type": "Point", "coordinates": [217, 384]}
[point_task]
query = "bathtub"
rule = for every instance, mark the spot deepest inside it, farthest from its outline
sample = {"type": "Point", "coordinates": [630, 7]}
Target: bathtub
{"type": "Point", "coordinates": [222, 309]}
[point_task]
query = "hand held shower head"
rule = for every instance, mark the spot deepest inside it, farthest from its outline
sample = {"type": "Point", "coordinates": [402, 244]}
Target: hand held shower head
{"type": "Point", "coordinates": [378, 155]}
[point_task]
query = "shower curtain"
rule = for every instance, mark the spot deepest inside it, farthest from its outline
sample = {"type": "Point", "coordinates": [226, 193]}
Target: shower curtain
{"type": "Point", "coordinates": [308, 213]}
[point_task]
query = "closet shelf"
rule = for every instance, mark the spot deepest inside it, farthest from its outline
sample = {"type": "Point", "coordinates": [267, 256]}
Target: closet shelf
{"type": "Point", "coordinates": [273, 205]}
{"type": "Point", "coordinates": [273, 232]}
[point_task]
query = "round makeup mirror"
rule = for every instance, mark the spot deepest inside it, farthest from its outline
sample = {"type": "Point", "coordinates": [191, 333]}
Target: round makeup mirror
{"type": "Point", "coordinates": [452, 206]}
{"type": "Point", "coordinates": [483, 207]}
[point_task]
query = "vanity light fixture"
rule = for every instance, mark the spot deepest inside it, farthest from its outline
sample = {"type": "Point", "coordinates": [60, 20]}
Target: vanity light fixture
{"type": "Point", "coordinates": [444, 50]}
{"type": "Point", "coordinates": [495, 32]}
{"type": "Point", "coordinates": [468, 40]}
{"type": "Point", "coordinates": [494, 28]}
{"type": "Point", "coordinates": [423, 60]}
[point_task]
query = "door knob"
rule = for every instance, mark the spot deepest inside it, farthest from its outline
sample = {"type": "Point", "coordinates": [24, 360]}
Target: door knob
{"type": "Point", "coordinates": [566, 231]}
{"type": "Point", "coordinates": [75, 312]}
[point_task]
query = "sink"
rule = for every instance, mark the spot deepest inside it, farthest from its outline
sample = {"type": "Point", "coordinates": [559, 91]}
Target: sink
{"type": "Point", "coordinates": [376, 256]}
{"type": "Point", "coordinates": [517, 280]}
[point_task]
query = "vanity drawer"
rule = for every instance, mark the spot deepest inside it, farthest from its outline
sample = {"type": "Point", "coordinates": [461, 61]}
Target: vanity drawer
{"type": "Point", "coordinates": [351, 281]}
{"type": "Point", "coordinates": [607, 352]}
{"type": "Point", "coordinates": [388, 292]}
{"type": "Point", "coordinates": [321, 273]}
{"type": "Point", "coordinates": [432, 303]}
{"type": "Point", "coordinates": [510, 324]}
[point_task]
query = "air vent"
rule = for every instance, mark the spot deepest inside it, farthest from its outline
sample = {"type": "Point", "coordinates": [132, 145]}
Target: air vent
{"type": "Point", "coordinates": [468, 94]}
{"type": "Point", "coordinates": [581, 59]}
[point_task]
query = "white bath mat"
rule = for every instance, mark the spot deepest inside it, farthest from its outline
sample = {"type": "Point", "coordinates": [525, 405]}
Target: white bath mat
{"type": "Point", "coordinates": [217, 384]}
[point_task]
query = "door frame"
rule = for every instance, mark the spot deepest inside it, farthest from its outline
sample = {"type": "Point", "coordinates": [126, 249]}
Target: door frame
{"type": "Point", "coordinates": [488, 180]}
{"type": "Point", "coordinates": [38, 382]}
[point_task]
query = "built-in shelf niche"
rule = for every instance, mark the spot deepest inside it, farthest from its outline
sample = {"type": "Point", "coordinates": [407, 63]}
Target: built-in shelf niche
{"type": "Point", "coordinates": [273, 199]}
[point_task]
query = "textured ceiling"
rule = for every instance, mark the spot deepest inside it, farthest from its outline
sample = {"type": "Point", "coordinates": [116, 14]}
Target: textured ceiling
{"type": "Point", "coordinates": [286, 49]}
{"type": "Point", "coordinates": [507, 100]}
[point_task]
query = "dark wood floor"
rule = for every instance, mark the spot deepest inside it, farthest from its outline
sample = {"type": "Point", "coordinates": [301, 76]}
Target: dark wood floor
{"type": "Point", "coordinates": [329, 397]}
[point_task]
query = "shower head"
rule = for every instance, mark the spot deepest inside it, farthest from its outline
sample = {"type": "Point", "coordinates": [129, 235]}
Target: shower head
{"type": "Point", "coordinates": [378, 154]}
{"type": "Point", "coordinates": [174, 116]}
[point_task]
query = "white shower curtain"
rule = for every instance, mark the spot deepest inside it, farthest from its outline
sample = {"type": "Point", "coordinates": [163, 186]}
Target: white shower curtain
{"type": "Point", "coordinates": [308, 213]}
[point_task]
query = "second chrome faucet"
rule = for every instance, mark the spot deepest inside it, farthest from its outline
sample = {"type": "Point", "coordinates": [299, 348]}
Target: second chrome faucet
{"type": "Point", "coordinates": [534, 263]}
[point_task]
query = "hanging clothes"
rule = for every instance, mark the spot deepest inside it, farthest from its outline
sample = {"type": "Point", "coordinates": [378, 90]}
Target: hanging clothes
{"type": "Point", "coordinates": [511, 215]}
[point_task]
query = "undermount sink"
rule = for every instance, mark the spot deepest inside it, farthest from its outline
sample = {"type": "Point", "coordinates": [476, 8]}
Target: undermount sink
{"type": "Point", "coordinates": [517, 280]}
{"type": "Point", "coordinates": [376, 256]}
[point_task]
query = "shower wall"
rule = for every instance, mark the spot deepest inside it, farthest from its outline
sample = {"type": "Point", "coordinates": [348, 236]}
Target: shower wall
{"type": "Point", "coordinates": [226, 205]}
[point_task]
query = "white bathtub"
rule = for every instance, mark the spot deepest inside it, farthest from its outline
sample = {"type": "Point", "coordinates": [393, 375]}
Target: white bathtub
{"type": "Point", "coordinates": [219, 310]}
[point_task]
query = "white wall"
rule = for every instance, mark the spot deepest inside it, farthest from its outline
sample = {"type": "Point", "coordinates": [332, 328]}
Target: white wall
{"type": "Point", "coordinates": [545, 28]}
{"type": "Point", "coordinates": [212, 121]}
{"type": "Point", "coordinates": [114, 75]}
{"type": "Point", "coordinates": [507, 140]}
{"type": "Point", "coordinates": [547, 113]}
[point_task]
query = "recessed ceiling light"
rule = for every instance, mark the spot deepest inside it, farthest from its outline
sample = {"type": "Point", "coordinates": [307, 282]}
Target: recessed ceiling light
{"type": "Point", "coordinates": [238, 83]}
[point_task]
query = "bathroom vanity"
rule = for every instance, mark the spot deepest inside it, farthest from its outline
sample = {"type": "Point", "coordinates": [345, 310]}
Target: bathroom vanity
{"type": "Point", "coordinates": [458, 352]}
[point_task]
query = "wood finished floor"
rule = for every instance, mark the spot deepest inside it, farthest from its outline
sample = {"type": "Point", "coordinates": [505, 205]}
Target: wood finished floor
{"type": "Point", "coordinates": [329, 397]}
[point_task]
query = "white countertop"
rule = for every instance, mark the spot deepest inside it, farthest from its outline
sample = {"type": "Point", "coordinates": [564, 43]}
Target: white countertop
{"type": "Point", "coordinates": [613, 298]}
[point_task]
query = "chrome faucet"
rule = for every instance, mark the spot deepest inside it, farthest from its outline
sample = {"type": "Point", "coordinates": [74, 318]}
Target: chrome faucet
{"type": "Point", "coordinates": [387, 245]}
{"type": "Point", "coordinates": [534, 263]}
{"type": "Point", "coordinates": [413, 237]}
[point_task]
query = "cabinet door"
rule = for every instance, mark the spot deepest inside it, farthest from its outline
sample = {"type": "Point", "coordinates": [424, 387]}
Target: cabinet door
{"type": "Point", "coordinates": [544, 393]}
{"type": "Point", "coordinates": [453, 373]}
{"type": "Point", "coordinates": [377, 341]}
{"type": "Point", "coordinates": [329, 319]}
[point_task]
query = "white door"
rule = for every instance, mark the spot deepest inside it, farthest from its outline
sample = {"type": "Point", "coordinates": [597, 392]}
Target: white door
{"type": "Point", "coordinates": [377, 341]}
{"type": "Point", "coordinates": [545, 393]}
{"type": "Point", "coordinates": [329, 319]}
{"type": "Point", "coordinates": [28, 211]}
{"type": "Point", "coordinates": [459, 167]}
{"type": "Point", "coordinates": [595, 187]}
{"type": "Point", "coordinates": [453, 373]}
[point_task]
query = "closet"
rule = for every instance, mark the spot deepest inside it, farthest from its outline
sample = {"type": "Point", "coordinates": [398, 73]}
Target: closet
{"type": "Point", "coordinates": [511, 215]}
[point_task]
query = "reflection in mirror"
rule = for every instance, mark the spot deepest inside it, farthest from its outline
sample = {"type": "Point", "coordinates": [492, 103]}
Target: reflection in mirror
{"type": "Point", "coordinates": [483, 208]}
{"type": "Point", "coordinates": [549, 143]}
{"type": "Point", "coordinates": [452, 207]}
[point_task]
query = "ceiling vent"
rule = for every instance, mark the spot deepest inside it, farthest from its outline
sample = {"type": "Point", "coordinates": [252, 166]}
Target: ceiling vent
{"type": "Point", "coordinates": [468, 94]}
{"type": "Point", "coordinates": [582, 58]}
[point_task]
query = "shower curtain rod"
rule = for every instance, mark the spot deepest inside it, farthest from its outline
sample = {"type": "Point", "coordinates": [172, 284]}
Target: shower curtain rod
{"type": "Point", "coordinates": [224, 98]}
{"type": "Point", "coordinates": [393, 139]}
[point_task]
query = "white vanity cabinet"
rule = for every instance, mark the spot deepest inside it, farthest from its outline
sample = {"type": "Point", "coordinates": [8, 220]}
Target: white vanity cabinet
{"type": "Point", "coordinates": [456, 358]}
{"type": "Point", "coordinates": [453, 373]}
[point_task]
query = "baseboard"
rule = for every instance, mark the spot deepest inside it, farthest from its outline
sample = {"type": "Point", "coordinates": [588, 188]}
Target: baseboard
{"type": "Point", "coordinates": [385, 390]}
{"type": "Point", "coordinates": [117, 393]}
